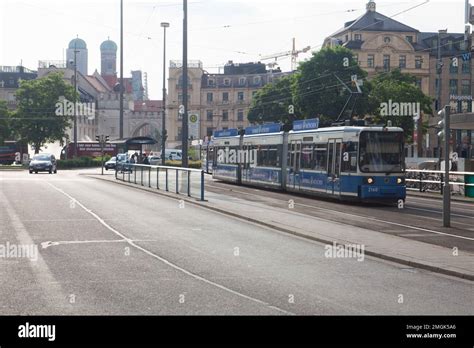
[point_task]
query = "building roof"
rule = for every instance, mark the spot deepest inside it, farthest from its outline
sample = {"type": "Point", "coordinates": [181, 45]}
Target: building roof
{"type": "Point", "coordinates": [108, 45]}
{"type": "Point", "coordinates": [78, 44]}
{"type": "Point", "coordinates": [113, 80]}
{"type": "Point", "coordinates": [374, 21]}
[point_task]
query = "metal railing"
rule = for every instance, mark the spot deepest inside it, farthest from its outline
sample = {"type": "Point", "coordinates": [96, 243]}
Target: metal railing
{"type": "Point", "coordinates": [433, 181]}
{"type": "Point", "coordinates": [180, 180]}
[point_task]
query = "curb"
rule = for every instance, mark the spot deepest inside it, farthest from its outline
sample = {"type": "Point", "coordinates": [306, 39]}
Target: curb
{"type": "Point", "coordinates": [298, 234]}
{"type": "Point", "coordinates": [440, 197]}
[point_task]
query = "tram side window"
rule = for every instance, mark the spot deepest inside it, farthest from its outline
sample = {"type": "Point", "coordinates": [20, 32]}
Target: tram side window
{"type": "Point", "coordinates": [349, 157]}
{"type": "Point", "coordinates": [320, 157]}
{"type": "Point", "coordinates": [267, 156]}
{"type": "Point", "coordinates": [307, 158]}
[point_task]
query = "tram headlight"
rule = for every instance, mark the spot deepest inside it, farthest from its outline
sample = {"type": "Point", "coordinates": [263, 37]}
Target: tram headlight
{"type": "Point", "coordinates": [400, 181]}
{"type": "Point", "coordinates": [369, 180]}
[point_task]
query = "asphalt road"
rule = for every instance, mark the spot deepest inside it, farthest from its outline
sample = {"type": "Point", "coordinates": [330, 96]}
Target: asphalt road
{"type": "Point", "coordinates": [110, 249]}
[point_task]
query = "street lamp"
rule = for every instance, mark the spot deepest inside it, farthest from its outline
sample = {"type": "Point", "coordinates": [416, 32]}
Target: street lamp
{"type": "Point", "coordinates": [121, 72]}
{"type": "Point", "coordinates": [185, 86]}
{"type": "Point", "coordinates": [164, 25]}
{"type": "Point", "coordinates": [75, 91]}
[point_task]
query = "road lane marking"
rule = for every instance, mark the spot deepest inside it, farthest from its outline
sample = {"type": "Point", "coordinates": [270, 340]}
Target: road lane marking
{"type": "Point", "coordinates": [52, 291]}
{"type": "Point", "coordinates": [169, 263]}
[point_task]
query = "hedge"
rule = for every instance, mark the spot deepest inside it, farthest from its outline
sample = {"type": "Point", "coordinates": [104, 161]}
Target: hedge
{"type": "Point", "coordinates": [82, 162]}
{"type": "Point", "coordinates": [191, 164]}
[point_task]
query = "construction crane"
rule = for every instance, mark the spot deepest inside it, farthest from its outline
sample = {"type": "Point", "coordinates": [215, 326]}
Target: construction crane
{"type": "Point", "coordinates": [293, 53]}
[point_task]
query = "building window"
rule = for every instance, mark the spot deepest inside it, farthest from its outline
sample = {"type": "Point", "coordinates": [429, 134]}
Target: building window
{"type": "Point", "coordinates": [370, 60]}
{"type": "Point", "coordinates": [386, 39]}
{"type": "Point", "coordinates": [225, 96]}
{"type": "Point", "coordinates": [211, 82]}
{"type": "Point", "coordinates": [209, 115]}
{"type": "Point", "coordinates": [409, 38]}
{"type": "Point", "coordinates": [180, 98]}
{"type": "Point", "coordinates": [418, 82]}
{"type": "Point", "coordinates": [358, 37]}
{"type": "Point", "coordinates": [347, 38]}
{"type": "Point", "coordinates": [465, 87]}
{"type": "Point", "coordinates": [356, 58]}
{"type": "Point", "coordinates": [225, 115]}
{"type": "Point", "coordinates": [226, 82]}
{"type": "Point", "coordinates": [402, 63]}
{"type": "Point", "coordinates": [180, 133]}
{"type": "Point", "coordinates": [210, 97]}
{"type": "Point", "coordinates": [386, 62]}
{"type": "Point", "coordinates": [452, 68]}
{"type": "Point", "coordinates": [240, 96]}
{"type": "Point", "coordinates": [209, 131]}
{"type": "Point", "coordinates": [466, 66]}
{"type": "Point", "coordinates": [453, 87]}
{"type": "Point", "coordinates": [240, 115]}
{"type": "Point", "coordinates": [418, 62]}
{"type": "Point", "coordinates": [256, 80]}
{"type": "Point", "coordinates": [242, 81]}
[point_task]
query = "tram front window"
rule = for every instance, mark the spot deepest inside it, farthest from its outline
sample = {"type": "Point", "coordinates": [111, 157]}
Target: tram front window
{"type": "Point", "coordinates": [381, 152]}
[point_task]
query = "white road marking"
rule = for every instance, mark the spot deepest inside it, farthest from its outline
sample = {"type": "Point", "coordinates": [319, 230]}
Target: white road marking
{"type": "Point", "coordinates": [195, 276]}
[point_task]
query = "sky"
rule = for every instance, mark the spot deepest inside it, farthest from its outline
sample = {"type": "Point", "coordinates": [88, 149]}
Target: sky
{"type": "Point", "coordinates": [219, 30]}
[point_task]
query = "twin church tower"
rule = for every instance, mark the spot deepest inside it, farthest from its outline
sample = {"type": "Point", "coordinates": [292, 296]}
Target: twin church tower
{"type": "Point", "coordinates": [108, 55]}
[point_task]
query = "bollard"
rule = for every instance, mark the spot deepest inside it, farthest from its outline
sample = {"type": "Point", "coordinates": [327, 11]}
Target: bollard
{"type": "Point", "coordinates": [177, 188]}
{"type": "Point", "coordinates": [189, 184]}
{"type": "Point", "coordinates": [166, 179]}
{"type": "Point", "coordinates": [157, 178]}
{"type": "Point", "coordinates": [202, 185]}
{"type": "Point", "coordinates": [134, 175]}
{"type": "Point", "coordinates": [149, 176]}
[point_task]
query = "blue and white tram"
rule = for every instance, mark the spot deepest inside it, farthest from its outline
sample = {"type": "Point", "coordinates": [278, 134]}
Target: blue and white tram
{"type": "Point", "coordinates": [361, 163]}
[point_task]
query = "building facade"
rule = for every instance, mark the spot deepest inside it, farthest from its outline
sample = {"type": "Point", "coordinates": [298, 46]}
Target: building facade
{"type": "Point", "coordinates": [10, 79]}
{"type": "Point", "coordinates": [215, 101]}
{"type": "Point", "coordinates": [381, 44]}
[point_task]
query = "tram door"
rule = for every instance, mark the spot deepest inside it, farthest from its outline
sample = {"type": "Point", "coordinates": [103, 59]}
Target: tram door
{"type": "Point", "coordinates": [295, 164]}
{"type": "Point", "coordinates": [333, 184]}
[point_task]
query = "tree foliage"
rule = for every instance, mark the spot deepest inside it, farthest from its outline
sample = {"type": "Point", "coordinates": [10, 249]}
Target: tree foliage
{"type": "Point", "coordinates": [318, 89]}
{"type": "Point", "coordinates": [272, 102]}
{"type": "Point", "coordinates": [6, 132]}
{"type": "Point", "coordinates": [36, 121]}
{"type": "Point", "coordinates": [397, 87]}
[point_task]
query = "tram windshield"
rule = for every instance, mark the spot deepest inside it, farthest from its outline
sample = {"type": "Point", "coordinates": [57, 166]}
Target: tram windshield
{"type": "Point", "coordinates": [381, 152]}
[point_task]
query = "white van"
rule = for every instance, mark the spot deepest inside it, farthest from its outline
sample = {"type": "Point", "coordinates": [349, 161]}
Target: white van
{"type": "Point", "coordinates": [174, 155]}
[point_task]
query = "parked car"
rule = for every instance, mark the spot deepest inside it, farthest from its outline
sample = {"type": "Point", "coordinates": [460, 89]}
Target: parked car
{"type": "Point", "coordinates": [111, 163]}
{"type": "Point", "coordinates": [154, 160]}
{"type": "Point", "coordinates": [43, 162]}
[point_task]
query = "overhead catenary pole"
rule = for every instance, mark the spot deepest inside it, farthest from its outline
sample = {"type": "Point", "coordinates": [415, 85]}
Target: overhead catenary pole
{"type": "Point", "coordinates": [447, 188]}
{"type": "Point", "coordinates": [184, 131]}
{"type": "Point", "coordinates": [163, 120]}
{"type": "Point", "coordinates": [75, 101]}
{"type": "Point", "coordinates": [121, 71]}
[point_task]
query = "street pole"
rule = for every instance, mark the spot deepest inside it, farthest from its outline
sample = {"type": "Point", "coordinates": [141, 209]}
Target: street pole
{"type": "Point", "coordinates": [185, 87]}
{"type": "Point", "coordinates": [102, 152]}
{"type": "Point", "coordinates": [447, 188]}
{"type": "Point", "coordinates": [121, 71]}
{"type": "Point", "coordinates": [75, 101]}
{"type": "Point", "coordinates": [163, 120]}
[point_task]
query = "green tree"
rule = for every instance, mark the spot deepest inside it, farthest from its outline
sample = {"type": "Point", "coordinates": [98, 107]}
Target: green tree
{"type": "Point", "coordinates": [318, 90]}
{"type": "Point", "coordinates": [397, 87]}
{"type": "Point", "coordinates": [272, 102]}
{"type": "Point", "coordinates": [6, 131]}
{"type": "Point", "coordinates": [36, 121]}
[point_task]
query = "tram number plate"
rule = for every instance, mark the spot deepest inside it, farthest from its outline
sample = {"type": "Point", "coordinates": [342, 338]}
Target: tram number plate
{"type": "Point", "coordinates": [373, 189]}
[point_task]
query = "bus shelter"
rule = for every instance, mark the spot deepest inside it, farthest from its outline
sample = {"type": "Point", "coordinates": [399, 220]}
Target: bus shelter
{"type": "Point", "coordinates": [133, 144]}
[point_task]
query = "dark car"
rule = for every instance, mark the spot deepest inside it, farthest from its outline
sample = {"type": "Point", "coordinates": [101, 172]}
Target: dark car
{"type": "Point", "coordinates": [43, 162]}
{"type": "Point", "coordinates": [111, 163]}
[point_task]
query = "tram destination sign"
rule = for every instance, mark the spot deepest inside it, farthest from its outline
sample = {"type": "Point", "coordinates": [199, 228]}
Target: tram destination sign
{"type": "Point", "coordinates": [300, 125]}
{"type": "Point", "coordinates": [226, 133]}
{"type": "Point", "coordinates": [263, 128]}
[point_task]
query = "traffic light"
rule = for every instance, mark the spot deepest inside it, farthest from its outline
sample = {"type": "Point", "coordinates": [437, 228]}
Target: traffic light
{"type": "Point", "coordinates": [442, 124]}
{"type": "Point", "coordinates": [97, 138]}
{"type": "Point", "coordinates": [107, 138]}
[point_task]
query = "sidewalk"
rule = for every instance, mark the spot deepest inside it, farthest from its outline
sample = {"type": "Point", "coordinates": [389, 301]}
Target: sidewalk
{"type": "Point", "coordinates": [439, 196]}
{"type": "Point", "coordinates": [392, 248]}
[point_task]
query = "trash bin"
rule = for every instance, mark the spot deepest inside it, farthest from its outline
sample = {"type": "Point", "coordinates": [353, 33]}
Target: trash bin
{"type": "Point", "coordinates": [469, 179]}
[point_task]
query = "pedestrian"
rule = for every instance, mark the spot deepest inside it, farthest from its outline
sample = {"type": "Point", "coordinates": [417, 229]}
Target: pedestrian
{"type": "Point", "coordinates": [145, 160]}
